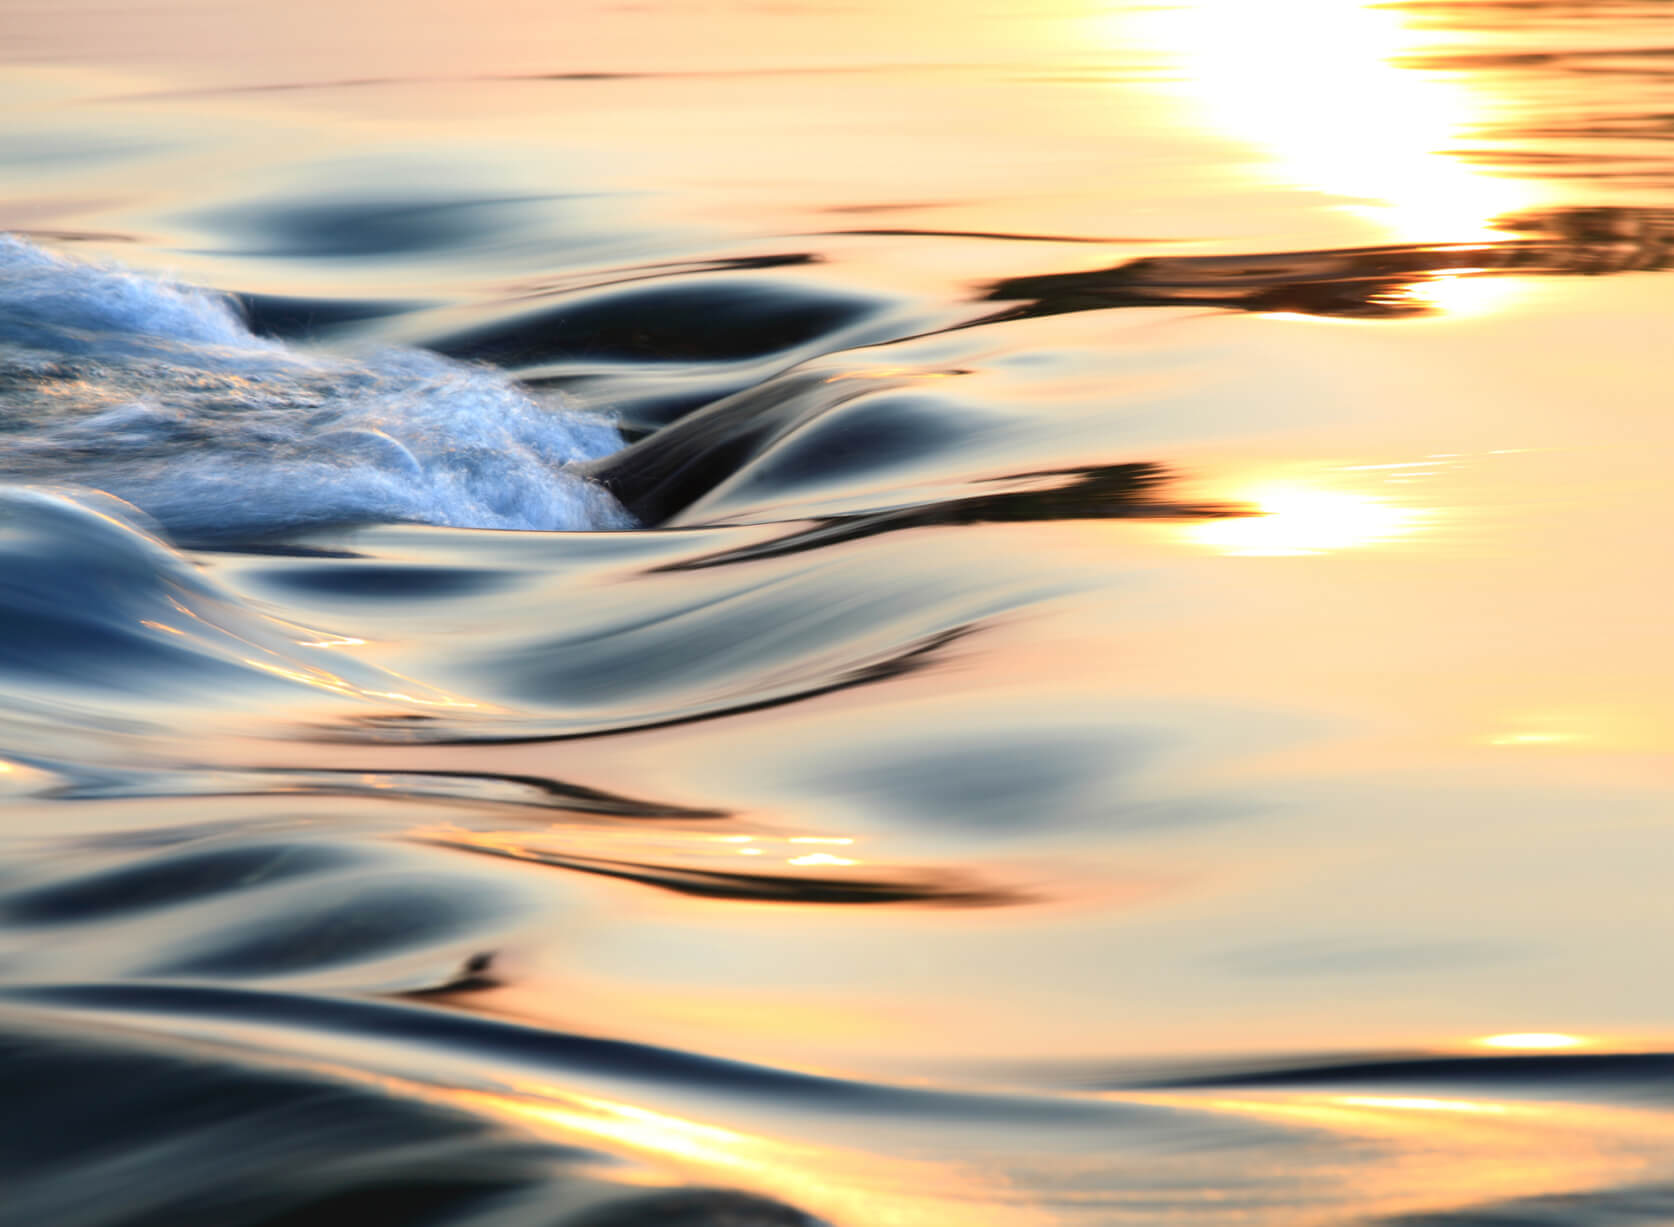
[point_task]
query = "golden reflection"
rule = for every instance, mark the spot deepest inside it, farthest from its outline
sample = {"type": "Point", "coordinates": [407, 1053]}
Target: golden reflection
{"type": "Point", "coordinates": [1293, 520]}
{"type": "Point", "coordinates": [674, 849]}
{"type": "Point", "coordinates": [1436, 1154]}
{"type": "Point", "coordinates": [1534, 1040]}
{"type": "Point", "coordinates": [1320, 86]}
{"type": "Point", "coordinates": [1531, 739]}
{"type": "Point", "coordinates": [827, 1180]}
{"type": "Point", "coordinates": [306, 675]}
{"type": "Point", "coordinates": [1420, 1103]}
{"type": "Point", "coordinates": [1462, 292]}
{"type": "Point", "coordinates": [1581, 726]}
{"type": "Point", "coordinates": [640, 1129]}
{"type": "Point", "coordinates": [20, 779]}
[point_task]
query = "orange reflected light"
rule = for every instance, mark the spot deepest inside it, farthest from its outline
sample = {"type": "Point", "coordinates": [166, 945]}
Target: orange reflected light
{"type": "Point", "coordinates": [1419, 1103]}
{"type": "Point", "coordinates": [1292, 521]}
{"type": "Point", "coordinates": [640, 1129]}
{"type": "Point", "coordinates": [1320, 86]}
{"type": "Point", "coordinates": [1583, 726]}
{"type": "Point", "coordinates": [844, 1184]}
{"type": "Point", "coordinates": [1463, 292]}
{"type": "Point", "coordinates": [1531, 739]}
{"type": "Point", "coordinates": [1436, 1154]}
{"type": "Point", "coordinates": [1535, 1040]}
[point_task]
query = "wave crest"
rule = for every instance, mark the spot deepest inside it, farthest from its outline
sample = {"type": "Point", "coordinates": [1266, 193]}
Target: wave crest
{"type": "Point", "coordinates": [160, 395]}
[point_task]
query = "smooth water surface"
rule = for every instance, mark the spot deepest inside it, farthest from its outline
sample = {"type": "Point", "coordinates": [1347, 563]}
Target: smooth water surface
{"type": "Point", "coordinates": [720, 614]}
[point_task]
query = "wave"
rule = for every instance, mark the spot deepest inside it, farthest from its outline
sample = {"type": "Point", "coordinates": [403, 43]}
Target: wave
{"type": "Point", "coordinates": [194, 1135]}
{"type": "Point", "coordinates": [162, 396]}
{"type": "Point", "coordinates": [1648, 1075]}
{"type": "Point", "coordinates": [438, 1038]}
{"type": "Point", "coordinates": [95, 603]}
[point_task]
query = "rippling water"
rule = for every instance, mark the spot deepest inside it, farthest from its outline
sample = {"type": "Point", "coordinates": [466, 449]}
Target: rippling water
{"type": "Point", "coordinates": [736, 615]}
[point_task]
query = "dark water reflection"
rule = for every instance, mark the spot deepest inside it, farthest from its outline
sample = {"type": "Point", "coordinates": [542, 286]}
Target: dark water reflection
{"type": "Point", "coordinates": [1363, 282]}
{"type": "Point", "coordinates": [733, 614]}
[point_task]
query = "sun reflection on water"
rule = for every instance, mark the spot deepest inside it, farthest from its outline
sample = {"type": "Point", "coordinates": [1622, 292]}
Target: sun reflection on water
{"type": "Point", "coordinates": [1293, 520]}
{"type": "Point", "coordinates": [1462, 292]}
{"type": "Point", "coordinates": [1532, 739]}
{"type": "Point", "coordinates": [1533, 1040]}
{"type": "Point", "coordinates": [1421, 1103]}
{"type": "Point", "coordinates": [844, 1182]}
{"type": "Point", "coordinates": [1322, 87]}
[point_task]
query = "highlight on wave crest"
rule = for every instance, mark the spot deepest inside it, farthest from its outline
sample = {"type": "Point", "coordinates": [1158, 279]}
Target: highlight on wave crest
{"type": "Point", "coordinates": [796, 869]}
{"type": "Point", "coordinates": [1535, 1041]}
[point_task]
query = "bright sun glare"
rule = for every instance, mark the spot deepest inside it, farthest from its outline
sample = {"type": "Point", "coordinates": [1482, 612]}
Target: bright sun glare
{"type": "Point", "coordinates": [1326, 88]}
{"type": "Point", "coordinates": [1532, 1040]}
{"type": "Point", "coordinates": [1298, 521]}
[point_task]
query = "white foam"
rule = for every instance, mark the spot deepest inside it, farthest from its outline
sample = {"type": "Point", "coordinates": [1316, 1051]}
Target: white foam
{"type": "Point", "coordinates": [159, 394]}
{"type": "Point", "coordinates": [41, 291]}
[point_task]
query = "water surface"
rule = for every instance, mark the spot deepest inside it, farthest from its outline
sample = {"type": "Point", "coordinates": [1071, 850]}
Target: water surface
{"type": "Point", "coordinates": [876, 614]}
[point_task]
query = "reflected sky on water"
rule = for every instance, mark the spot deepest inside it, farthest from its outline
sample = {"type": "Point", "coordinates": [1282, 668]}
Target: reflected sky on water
{"type": "Point", "coordinates": [1137, 688]}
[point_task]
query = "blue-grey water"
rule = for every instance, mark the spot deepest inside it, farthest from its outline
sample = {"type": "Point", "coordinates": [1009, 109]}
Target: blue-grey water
{"type": "Point", "coordinates": [717, 614]}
